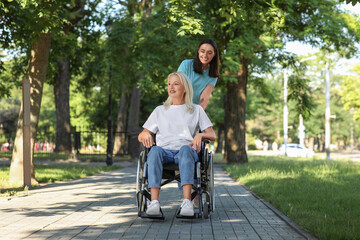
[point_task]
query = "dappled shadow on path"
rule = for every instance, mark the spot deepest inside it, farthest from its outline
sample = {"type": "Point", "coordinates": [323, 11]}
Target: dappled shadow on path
{"type": "Point", "coordinates": [104, 207]}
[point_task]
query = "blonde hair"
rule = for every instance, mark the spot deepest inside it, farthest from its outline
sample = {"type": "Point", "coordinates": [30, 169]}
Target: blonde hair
{"type": "Point", "coordinates": [188, 91]}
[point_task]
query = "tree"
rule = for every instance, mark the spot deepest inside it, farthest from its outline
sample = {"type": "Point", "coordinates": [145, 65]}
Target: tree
{"type": "Point", "coordinates": [7, 78]}
{"type": "Point", "coordinates": [9, 102]}
{"type": "Point", "coordinates": [75, 12]}
{"type": "Point", "coordinates": [140, 65]}
{"type": "Point", "coordinates": [8, 120]}
{"type": "Point", "coordinates": [28, 25]}
{"type": "Point", "coordinates": [36, 73]}
{"type": "Point", "coordinates": [67, 61]}
{"type": "Point", "coordinates": [350, 92]}
{"type": "Point", "coordinates": [253, 33]}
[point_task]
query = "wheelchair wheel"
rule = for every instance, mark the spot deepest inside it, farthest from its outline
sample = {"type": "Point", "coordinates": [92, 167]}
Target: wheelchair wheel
{"type": "Point", "coordinates": [205, 157]}
{"type": "Point", "coordinates": [206, 208]}
{"type": "Point", "coordinates": [141, 185]}
{"type": "Point", "coordinates": [139, 175]}
{"type": "Point", "coordinates": [211, 187]}
{"type": "Point", "coordinates": [142, 203]}
{"type": "Point", "coordinates": [209, 198]}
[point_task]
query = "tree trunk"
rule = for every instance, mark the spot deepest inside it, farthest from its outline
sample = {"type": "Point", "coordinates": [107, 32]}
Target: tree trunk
{"type": "Point", "coordinates": [36, 73]}
{"type": "Point", "coordinates": [133, 128]}
{"type": "Point", "coordinates": [62, 84]}
{"type": "Point", "coordinates": [120, 133]}
{"type": "Point", "coordinates": [134, 147]}
{"type": "Point", "coordinates": [61, 91]}
{"type": "Point", "coordinates": [318, 142]}
{"type": "Point", "coordinates": [220, 139]}
{"type": "Point", "coordinates": [311, 143]}
{"type": "Point", "coordinates": [235, 141]}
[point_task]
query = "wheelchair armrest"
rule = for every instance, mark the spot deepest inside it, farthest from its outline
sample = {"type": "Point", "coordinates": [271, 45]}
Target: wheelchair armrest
{"type": "Point", "coordinates": [205, 140]}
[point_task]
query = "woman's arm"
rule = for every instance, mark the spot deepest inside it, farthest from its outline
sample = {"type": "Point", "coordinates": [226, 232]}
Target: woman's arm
{"type": "Point", "coordinates": [205, 96]}
{"type": "Point", "coordinates": [146, 138]}
{"type": "Point", "coordinates": [208, 134]}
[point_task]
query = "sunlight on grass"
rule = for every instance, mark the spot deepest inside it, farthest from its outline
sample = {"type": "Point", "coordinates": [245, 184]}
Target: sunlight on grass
{"type": "Point", "coordinates": [61, 172]}
{"type": "Point", "coordinates": [321, 196]}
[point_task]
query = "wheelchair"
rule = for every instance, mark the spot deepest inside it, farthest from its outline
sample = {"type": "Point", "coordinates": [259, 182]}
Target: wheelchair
{"type": "Point", "coordinates": [203, 189]}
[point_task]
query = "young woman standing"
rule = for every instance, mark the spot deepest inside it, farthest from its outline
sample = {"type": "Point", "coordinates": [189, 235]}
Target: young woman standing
{"type": "Point", "coordinates": [203, 71]}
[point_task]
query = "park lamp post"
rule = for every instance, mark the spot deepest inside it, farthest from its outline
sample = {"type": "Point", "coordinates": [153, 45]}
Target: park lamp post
{"type": "Point", "coordinates": [328, 115]}
{"type": "Point", "coordinates": [327, 110]}
{"type": "Point", "coordinates": [109, 148]}
{"type": "Point", "coordinates": [285, 118]}
{"type": "Point", "coordinates": [301, 128]}
{"type": "Point", "coordinates": [286, 113]}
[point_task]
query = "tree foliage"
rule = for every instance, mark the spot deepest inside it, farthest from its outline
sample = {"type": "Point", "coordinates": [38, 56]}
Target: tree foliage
{"type": "Point", "coordinates": [350, 92]}
{"type": "Point", "coordinates": [251, 36]}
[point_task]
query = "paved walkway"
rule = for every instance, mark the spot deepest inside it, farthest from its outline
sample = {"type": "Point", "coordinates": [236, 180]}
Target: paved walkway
{"type": "Point", "coordinates": [104, 207]}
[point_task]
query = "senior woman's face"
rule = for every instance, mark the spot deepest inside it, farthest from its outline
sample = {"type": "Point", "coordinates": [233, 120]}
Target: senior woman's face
{"type": "Point", "coordinates": [176, 89]}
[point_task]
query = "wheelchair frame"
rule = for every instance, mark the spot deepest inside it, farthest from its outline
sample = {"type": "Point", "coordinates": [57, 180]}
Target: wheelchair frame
{"type": "Point", "coordinates": [204, 187]}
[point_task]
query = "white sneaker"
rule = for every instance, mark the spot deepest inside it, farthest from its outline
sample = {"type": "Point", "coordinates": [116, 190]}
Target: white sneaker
{"type": "Point", "coordinates": [187, 208]}
{"type": "Point", "coordinates": [153, 208]}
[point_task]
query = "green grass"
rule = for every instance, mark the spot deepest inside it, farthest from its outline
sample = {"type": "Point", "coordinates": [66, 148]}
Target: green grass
{"type": "Point", "coordinates": [323, 197]}
{"type": "Point", "coordinates": [218, 158]}
{"type": "Point", "coordinates": [51, 173]}
{"type": "Point", "coordinates": [5, 155]}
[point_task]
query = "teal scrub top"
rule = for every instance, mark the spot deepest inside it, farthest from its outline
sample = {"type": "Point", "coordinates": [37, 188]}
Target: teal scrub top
{"type": "Point", "coordinates": [198, 81]}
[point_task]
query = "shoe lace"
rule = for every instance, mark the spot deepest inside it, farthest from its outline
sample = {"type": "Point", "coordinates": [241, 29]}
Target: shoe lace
{"type": "Point", "coordinates": [153, 204]}
{"type": "Point", "coordinates": [186, 204]}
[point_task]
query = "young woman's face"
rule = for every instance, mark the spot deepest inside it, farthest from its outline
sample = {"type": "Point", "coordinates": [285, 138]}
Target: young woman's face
{"type": "Point", "coordinates": [206, 53]}
{"type": "Point", "coordinates": [176, 89]}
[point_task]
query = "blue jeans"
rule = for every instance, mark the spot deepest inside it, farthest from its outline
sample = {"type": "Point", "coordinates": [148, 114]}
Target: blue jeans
{"type": "Point", "coordinates": [185, 158]}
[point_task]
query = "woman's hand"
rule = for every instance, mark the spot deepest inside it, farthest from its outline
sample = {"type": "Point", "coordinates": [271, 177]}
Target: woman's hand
{"type": "Point", "coordinates": [146, 138]}
{"type": "Point", "coordinates": [196, 142]}
{"type": "Point", "coordinates": [207, 134]}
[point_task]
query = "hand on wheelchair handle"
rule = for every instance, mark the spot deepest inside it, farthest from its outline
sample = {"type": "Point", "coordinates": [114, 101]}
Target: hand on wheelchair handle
{"type": "Point", "coordinates": [196, 143]}
{"type": "Point", "coordinates": [147, 140]}
{"type": "Point", "coordinates": [148, 144]}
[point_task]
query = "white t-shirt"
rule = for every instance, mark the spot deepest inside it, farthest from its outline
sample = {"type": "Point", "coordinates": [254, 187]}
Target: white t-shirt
{"type": "Point", "coordinates": [176, 126]}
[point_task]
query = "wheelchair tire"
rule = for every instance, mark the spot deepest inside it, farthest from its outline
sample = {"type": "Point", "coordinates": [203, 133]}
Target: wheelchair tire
{"type": "Point", "coordinates": [205, 157]}
{"type": "Point", "coordinates": [209, 197]}
{"type": "Point", "coordinates": [206, 209]}
{"type": "Point", "coordinates": [211, 182]}
{"type": "Point", "coordinates": [142, 203]}
{"type": "Point", "coordinates": [139, 175]}
{"type": "Point", "coordinates": [138, 186]}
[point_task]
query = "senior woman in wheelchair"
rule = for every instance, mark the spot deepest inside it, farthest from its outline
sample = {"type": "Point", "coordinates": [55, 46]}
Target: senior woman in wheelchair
{"type": "Point", "coordinates": [176, 124]}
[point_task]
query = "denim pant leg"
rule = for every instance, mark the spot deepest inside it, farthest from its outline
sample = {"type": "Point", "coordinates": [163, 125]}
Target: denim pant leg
{"type": "Point", "coordinates": [187, 157]}
{"type": "Point", "coordinates": [155, 166]}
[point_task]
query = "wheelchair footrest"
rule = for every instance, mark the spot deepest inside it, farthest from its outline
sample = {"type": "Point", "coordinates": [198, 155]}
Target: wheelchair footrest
{"type": "Point", "coordinates": [159, 217]}
{"type": "Point", "coordinates": [197, 214]}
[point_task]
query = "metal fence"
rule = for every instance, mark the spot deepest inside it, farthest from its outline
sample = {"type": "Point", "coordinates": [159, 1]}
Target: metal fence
{"type": "Point", "coordinates": [84, 141]}
{"type": "Point", "coordinates": [95, 142]}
